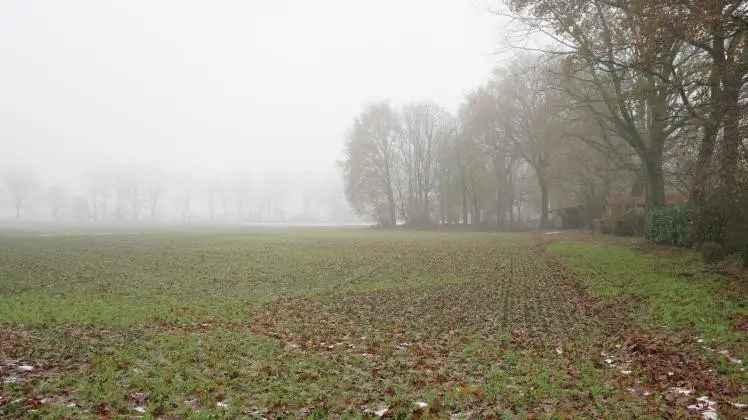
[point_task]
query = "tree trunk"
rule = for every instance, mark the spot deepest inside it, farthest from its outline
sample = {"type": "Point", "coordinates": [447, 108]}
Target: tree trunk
{"type": "Point", "coordinates": [392, 208]}
{"type": "Point", "coordinates": [476, 210]}
{"type": "Point", "coordinates": [511, 213]}
{"type": "Point", "coordinates": [711, 128]}
{"type": "Point", "coordinates": [702, 176]}
{"type": "Point", "coordinates": [701, 171]}
{"type": "Point", "coordinates": [464, 205]}
{"type": "Point", "coordinates": [655, 183]}
{"type": "Point", "coordinates": [519, 212]}
{"type": "Point", "coordinates": [728, 160]}
{"type": "Point", "coordinates": [442, 207]}
{"type": "Point", "coordinates": [498, 167]}
{"type": "Point", "coordinates": [510, 197]}
{"type": "Point", "coordinates": [544, 203]}
{"type": "Point", "coordinates": [652, 155]}
{"type": "Point", "coordinates": [499, 210]}
{"type": "Point", "coordinates": [731, 137]}
{"type": "Point", "coordinates": [426, 214]}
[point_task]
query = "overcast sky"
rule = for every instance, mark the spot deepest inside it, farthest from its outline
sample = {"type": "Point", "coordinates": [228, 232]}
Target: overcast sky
{"type": "Point", "coordinates": [223, 83]}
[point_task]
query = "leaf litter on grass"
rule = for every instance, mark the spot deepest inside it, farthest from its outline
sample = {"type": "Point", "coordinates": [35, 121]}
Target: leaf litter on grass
{"type": "Point", "coordinates": [667, 361]}
{"type": "Point", "coordinates": [416, 325]}
{"type": "Point", "coordinates": [444, 339]}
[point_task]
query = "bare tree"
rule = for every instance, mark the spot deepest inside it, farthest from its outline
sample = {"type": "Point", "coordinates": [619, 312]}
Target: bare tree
{"type": "Point", "coordinates": [154, 187]}
{"type": "Point", "coordinates": [623, 69]}
{"type": "Point", "coordinates": [485, 122]}
{"type": "Point", "coordinates": [21, 183]}
{"type": "Point", "coordinates": [425, 127]}
{"type": "Point", "coordinates": [371, 164]}
{"type": "Point", "coordinates": [533, 122]}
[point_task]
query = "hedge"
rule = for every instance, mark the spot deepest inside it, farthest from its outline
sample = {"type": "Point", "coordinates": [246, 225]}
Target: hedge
{"type": "Point", "coordinates": [669, 225]}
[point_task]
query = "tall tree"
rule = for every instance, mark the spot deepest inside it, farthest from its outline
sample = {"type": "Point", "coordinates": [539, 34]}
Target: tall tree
{"type": "Point", "coordinates": [531, 109]}
{"type": "Point", "coordinates": [486, 124]}
{"type": "Point", "coordinates": [623, 70]}
{"type": "Point", "coordinates": [425, 127]}
{"type": "Point", "coordinates": [371, 163]}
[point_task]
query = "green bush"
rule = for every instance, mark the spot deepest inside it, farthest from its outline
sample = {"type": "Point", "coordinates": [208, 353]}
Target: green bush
{"type": "Point", "coordinates": [669, 225]}
{"type": "Point", "coordinates": [745, 256]}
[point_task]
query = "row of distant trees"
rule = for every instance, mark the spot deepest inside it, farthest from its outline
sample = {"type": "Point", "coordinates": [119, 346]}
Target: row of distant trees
{"type": "Point", "coordinates": [623, 97]}
{"type": "Point", "coordinates": [494, 163]}
{"type": "Point", "coordinates": [143, 193]}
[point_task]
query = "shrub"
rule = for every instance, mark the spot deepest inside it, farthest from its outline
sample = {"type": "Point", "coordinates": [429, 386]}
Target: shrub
{"type": "Point", "coordinates": [745, 256]}
{"type": "Point", "coordinates": [712, 252]}
{"type": "Point", "coordinates": [669, 225]}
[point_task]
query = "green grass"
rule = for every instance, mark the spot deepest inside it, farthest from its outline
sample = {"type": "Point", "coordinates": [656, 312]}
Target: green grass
{"type": "Point", "coordinates": [310, 322]}
{"type": "Point", "coordinates": [134, 279]}
{"type": "Point", "coordinates": [671, 291]}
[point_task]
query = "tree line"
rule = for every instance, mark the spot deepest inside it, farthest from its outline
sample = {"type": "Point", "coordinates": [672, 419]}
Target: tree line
{"type": "Point", "coordinates": [144, 193]}
{"type": "Point", "coordinates": [640, 101]}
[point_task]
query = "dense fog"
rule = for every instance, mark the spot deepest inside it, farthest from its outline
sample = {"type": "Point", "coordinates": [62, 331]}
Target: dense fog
{"type": "Point", "coordinates": [139, 193]}
{"type": "Point", "coordinates": [188, 112]}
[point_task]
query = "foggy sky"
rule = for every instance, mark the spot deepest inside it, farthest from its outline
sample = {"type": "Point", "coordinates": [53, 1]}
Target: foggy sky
{"type": "Point", "coordinates": [204, 84]}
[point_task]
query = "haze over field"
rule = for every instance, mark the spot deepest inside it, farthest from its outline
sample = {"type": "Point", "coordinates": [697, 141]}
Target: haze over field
{"type": "Point", "coordinates": [412, 209]}
{"type": "Point", "coordinates": [202, 92]}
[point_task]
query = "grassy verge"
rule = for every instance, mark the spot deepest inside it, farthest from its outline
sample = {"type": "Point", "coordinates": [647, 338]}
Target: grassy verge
{"type": "Point", "coordinates": [672, 291]}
